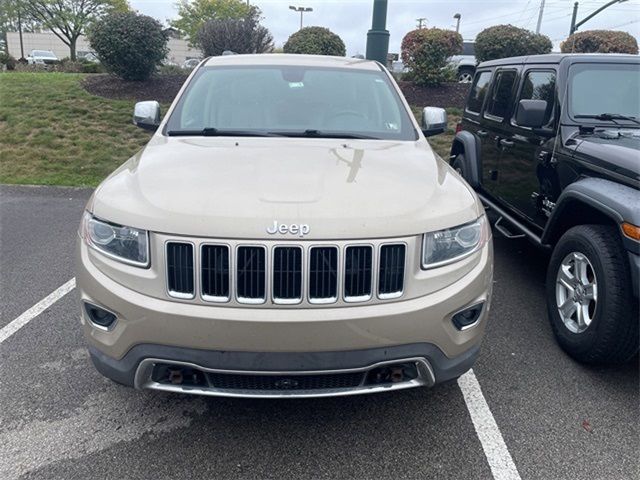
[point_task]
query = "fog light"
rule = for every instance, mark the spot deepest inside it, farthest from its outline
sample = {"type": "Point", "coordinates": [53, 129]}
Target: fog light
{"type": "Point", "coordinates": [100, 317]}
{"type": "Point", "coordinates": [467, 317]}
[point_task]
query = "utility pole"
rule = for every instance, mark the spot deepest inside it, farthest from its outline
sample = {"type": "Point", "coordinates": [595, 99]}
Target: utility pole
{"type": "Point", "coordinates": [457, 16]}
{"type": "Point", "coordinates": [574, 18]}
{"type": "Point", "coordinates": [574, 26]}
{"type": "Point", "coordinates": [420, 21]}
{"type": "Point", "coordinates": [540, 16]}
{"type": "Point", "coordinates": [378, 36]}
{"type": "Point", "coordinates": [302, 11]}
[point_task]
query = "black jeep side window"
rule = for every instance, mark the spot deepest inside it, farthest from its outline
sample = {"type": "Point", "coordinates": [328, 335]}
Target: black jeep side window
{"type": "Point", "coordinates": [478, 92]}
{"type": "Point", "coordinates": [540, 85]}
{"type": "Point", "coordinates": [500, 100]}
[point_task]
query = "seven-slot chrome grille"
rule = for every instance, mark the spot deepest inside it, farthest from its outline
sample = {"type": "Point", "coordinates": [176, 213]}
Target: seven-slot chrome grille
{"type": "Point", "coordinates": [285, 274]}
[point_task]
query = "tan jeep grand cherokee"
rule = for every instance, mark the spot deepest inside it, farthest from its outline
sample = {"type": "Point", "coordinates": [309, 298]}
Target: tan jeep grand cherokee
{"type": "Point", "coordinates": [287, 231]}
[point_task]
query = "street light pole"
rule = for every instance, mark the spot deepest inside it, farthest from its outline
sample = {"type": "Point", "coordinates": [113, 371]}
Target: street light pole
{"type": "Point", "coordinates": [574, 26]}
{"type": "Point", "coordinates": [302, 11]}
{"type": "Point", "coordinates": [457, 16]}
{"type": "Point", "coordinates": [574, 18]}
{"type": "Point", "coordinates": [540, 16]}
{"type": "Point", "coordinates": [378, 36]}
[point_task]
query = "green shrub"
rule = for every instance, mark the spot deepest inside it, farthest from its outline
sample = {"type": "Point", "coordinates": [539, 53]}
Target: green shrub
{"type": "Point", "coordinates": [170, 70]}
{"type": "Point", "coordinates": [503, 41]}
{"type": "Point", "coordinates": [25, 67]}
{"type": "Point", "coordinates": [425, 52]}
{"type": "Point", "coordinates": [600, 41]}
{"type": "Point", "coordinates": [315, 41]}
{"type": "Point", "coordinates": [92, 67]}
{"type": "Point", "coordinates": [8, 61]}
{"type": "Point", "coordinates": [129, 45]}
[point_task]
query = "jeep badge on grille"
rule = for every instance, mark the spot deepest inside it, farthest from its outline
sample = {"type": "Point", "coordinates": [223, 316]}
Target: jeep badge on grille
{"type": "Point", "coordinates": [301, 229]}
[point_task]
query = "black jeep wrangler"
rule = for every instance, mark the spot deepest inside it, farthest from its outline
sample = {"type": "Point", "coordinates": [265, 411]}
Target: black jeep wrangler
{"type": "Point", "coordinates": [551, 144]}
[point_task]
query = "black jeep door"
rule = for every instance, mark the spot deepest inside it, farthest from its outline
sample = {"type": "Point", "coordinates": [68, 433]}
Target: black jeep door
{"type": "Point", "coordinates": [494, 125]}
{"type": "Point", "coordinates": [472, 121]}
{"type": "Point", "coordinates": [527, 174]}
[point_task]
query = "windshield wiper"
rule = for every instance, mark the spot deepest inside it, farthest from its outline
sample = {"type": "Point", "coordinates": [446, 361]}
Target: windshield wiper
{"type": "Point", "coordinates": [217, 132]}
{"type": "Point", "coordinates": [313, 133]}
{"type": "Point", "coordinates": [611, 117]}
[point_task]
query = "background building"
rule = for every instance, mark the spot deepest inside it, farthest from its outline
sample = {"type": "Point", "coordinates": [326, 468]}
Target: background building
{"type": "Point", "coordinates": [179, 50]}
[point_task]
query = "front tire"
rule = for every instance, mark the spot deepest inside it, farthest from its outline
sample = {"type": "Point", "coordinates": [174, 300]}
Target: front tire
{"type": "Point", "coordinates": [589, 297]}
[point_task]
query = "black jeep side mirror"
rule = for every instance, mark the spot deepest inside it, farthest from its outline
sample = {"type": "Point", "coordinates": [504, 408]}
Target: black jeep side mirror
{"type": "Point", "coordinates": [531, 113]}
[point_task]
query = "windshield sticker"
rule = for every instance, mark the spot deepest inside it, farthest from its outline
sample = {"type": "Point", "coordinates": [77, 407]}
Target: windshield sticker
{"type": "Point", "coordinates": [296, 84]}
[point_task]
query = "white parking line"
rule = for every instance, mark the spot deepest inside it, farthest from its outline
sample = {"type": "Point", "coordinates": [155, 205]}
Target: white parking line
{"type": "Point", "coordinates": [495, 449]}
{"type": "Point", "coordinates": [36, 310]}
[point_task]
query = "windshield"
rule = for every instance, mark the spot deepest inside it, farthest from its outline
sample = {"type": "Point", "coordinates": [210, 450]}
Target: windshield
{"type": "Point", "coordinates": [43, 53]}
{"type": "Point", "coordinates": [597, 89]}
{"type": "Point", "coordinates": [291, 101]}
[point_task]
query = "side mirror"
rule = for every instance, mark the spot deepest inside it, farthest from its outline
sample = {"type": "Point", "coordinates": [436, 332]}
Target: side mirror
{"type": "Point", "coordinates": [531, 113]}
{"type": "Point", "coordinates": [434, 121]}
{"type": "Point", "coordinates": [146, 115]}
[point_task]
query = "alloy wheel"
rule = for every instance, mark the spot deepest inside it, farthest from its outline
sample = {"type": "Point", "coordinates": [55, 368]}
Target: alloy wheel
{"type": "Point", "coordinates": [576, 292]}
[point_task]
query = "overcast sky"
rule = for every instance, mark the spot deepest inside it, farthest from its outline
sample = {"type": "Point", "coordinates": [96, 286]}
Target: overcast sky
{"type": "Point", "coordinates": [352, 18]}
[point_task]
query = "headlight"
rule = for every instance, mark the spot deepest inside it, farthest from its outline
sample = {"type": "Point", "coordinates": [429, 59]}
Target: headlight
{"type": "Point", "coordinates": [126, 244]}
{"type": "Point", "coordinates": [447, 246]}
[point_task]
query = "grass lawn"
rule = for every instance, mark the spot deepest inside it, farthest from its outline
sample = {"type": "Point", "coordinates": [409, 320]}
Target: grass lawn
{"type": "Point", "coordinates": [52, 132]}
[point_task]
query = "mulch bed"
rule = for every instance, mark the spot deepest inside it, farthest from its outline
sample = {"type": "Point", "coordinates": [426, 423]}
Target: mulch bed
{"type": "Point", "coordinates": [164, 88]}
{"type": "Point", "coordinates": [444, 96]}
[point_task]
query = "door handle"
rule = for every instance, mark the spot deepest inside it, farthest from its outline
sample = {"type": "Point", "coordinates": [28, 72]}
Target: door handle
{"type": "Point", "coordinates": [482, 133]}
{"type": "Point", "coordinates": [506, 143]}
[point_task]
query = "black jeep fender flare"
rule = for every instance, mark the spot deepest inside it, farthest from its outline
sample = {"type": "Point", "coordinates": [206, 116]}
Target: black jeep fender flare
{"type": "Point", "coordinates": [467, 144]}
{"type": "Point", "coordinates": [617, 202]}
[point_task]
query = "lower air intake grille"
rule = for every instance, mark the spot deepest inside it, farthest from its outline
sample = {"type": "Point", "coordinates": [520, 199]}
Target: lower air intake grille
{"type": "Point", "coordinates": [287, 274]}
{"type": "Point", "coordinates": [215, 273]}
{"type": "Point", "coordinates": [180, 270]}
{"type": "Point", "coordinates": [291, 382]}
{"type": "Point", "coordinates": [357, 273]}
{"type": "Point", "coordinates": [251, 274]}
{"type": "Point", "coordinates": [323, 274]}
{"type": "Point", "coordinates": [391, 277]}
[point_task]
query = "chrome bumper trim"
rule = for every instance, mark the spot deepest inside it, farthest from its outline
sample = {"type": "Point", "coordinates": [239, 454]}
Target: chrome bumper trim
{"type": "Point", "coordinates": [143, 380]}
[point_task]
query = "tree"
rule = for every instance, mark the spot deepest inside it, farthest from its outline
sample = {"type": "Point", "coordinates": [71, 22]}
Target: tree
{"type": "Point", "coordinates": [11, 15]}
{"type": "Point", "coordinates": [129, 45]}
{"type": "Point", "coordinates": [315, 41]}
{"type": "Point", "coordinates": [240, 36]}
{"type": "Point", "coordinates": [68, 19]}
{"type": "Point", "coordinates": [426, 51]}
{"type": "Point", "coordinates": [192, 15]}
{"type": "Point", "coordinates": [504, 41]}
{"type": "Point", "coordinates": [600, 41]}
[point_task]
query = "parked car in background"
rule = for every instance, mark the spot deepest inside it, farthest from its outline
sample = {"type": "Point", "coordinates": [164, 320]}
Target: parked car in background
{"type": "Point", "coordinates": [190, 63]}
{"type": "Point", "coordinates": [551, 143]}
{"type": "Point", "coordinates": [287, 231]}
{"type": "Point", "coordinates": [91, 57]}
{"type": "Point", "coordinates": [465, 63]}
{"type": "Point", "coordinates": [42, 57]}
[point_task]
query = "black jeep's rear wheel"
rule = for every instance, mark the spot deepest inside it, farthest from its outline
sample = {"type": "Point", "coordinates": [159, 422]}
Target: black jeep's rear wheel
{"type": "Point", "coordinates": [458, 164]}
{"type": "Point", "coordinates": [589, 297]}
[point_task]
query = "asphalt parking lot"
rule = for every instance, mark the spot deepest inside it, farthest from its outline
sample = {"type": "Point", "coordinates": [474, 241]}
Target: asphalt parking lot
{"type": "Point", "coordinates": [60, 419]}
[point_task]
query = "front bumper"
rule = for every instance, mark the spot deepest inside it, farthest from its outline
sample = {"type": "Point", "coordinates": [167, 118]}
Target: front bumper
{"type": "Point", "coordinates": [284, 341]}
{"type": "Point", "coordinates": [135, 369]}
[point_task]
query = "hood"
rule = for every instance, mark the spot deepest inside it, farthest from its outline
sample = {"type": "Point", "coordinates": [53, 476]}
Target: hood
{"type": "Point", "coordinates": [615, 150]}
{"type": "Point", "coordinates": [238, 187]}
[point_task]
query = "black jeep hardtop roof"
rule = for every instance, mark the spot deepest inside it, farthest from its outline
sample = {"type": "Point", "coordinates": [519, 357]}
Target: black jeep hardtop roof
{"type": "Point", "coordinates": [558, 57]}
